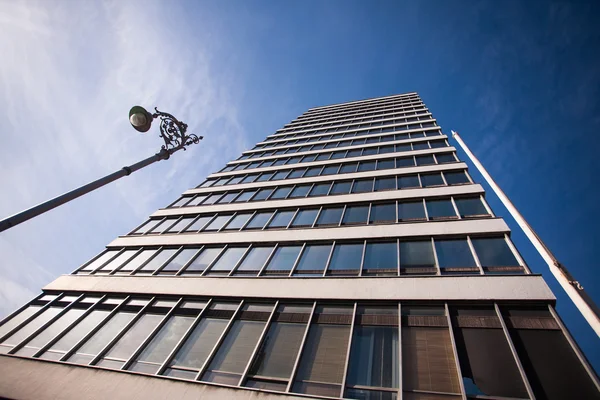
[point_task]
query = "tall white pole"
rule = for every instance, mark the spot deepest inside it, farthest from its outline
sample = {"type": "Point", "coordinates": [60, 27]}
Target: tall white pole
{"type": "Point", "coordinates": [574, 290]}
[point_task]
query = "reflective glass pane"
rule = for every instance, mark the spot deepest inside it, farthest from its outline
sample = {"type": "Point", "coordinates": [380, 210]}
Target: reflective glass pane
{"type": "Point", "coordinates": [374, 357]}
{"type": "Point", "coordinates": [297, 173]}
{"type": "Point", "coordinates": [245, 196]}
{"type": "Point", "coordinates": [408, 181]}
{"type": "Point", "coordinates": [281, 192]}
{"type": "Point", "coordinates": [445, 158]}
{"type": "Point", "coordinates": [420, 146]}
{"type": "Point", "coordinates": [346, 259]}
{"type": "Point", "coordinates": [262, 194]}
{"type": "Point", "coordinates": [118, 261]}
{"type": "Point", "coordinates": [203, 260]}
{"type": "Point", "coordinates": [79, 331]}
{"type": "Point", "coordinates": [313, 259]}
{"type": "Point", "coordinates": [383, 213]}
{"type": "Point", "coordinates": [416, 254]}
{"type": "Point", "coordinates": [300, 191]}
{"type": "Point", "coordinates": [254, 260]}
{"type": "Point", "coordinates": [355, 215]}
{"type": "Point", "coordinates": [284, 258]}
{"type": "Point", "coordinates": [182, 223]}
{"type": "Point", "coordinates": [158, 260]}
{"type": "Point", "coordinates": [494, 252]}
{"type": "Point", "coordinates": [304, 218]}
{"type": "Point", "coordinates": [362, 186]}
{"type": "Point", "coordinates": [138, 260]}
{"type": "Point", "coordinates": [281, 219]}
{"type": "Point", "coordinates": [381, 256]}
{"type": "Point", "coordinates": [217, 223]}
{"type": "Point", "coordinates": [440, 209]}
{"type": "Point", "coordinates": [105, 334]}
{"type": "Point", "coordinates": [313, 171]}
{"type": "Point", "coordinates": [382, 184]}
{"type": "Point", "coordinates": [278, 352]}
{"type": "Point", "coordinates": [280, 175]}
{"type": "Point", "coordinates": [455, 178]}
{"type": "Point", "coordinates": [228, 259]}
{"type": "Point", "coordinates": [228, 198]}
{"type": "Point", "coordinates": [411, 210]}
{"type": "Point", "coordinates": [405, 162]}
{"type": "Point", "coordinates": [320, 189]}
{"type": "Point", "coordinates": [432, 180]}
{"type": "Point", "coordinates": [259, 220]}
{"type": "Point", "coordinates": [386, 164]}
{"type": "Point", "coordinates": [366, 166]}
{"type": "Point", "coordinates": [197, 347]}
{"type": "Point", "coordinates": [199, 223]}
{"type": "Point", "coordinates": [330, 169]}
{"type": "Point", "coordinates": [341, 187]}
{"type": "Point", "coordinates": [238, 221]}
{"type": "Point", "coordinates": [454, 253]}
{"type": "Point", "coordinates": [134, 336]}
{"type": "Point", "coordinates": [330, 216]}
{"type": "Point", "coordinates": [100, 260]}
{"type": "Point", "coordinates": [178, 261]}
{"type": "Point", "coordinates": [470, 207]}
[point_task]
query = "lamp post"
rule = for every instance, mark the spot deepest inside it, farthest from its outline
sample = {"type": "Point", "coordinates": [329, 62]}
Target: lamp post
{"type": "Point", "coordinates": [172, 131]}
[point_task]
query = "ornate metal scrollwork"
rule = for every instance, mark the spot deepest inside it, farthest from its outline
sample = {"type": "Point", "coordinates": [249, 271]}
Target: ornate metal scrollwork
{"type": "Point", "coordinates": [173, 132]}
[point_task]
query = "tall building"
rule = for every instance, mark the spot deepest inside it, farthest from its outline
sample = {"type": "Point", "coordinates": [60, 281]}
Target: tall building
{"type": "Point", "coordinates": [350, 254]}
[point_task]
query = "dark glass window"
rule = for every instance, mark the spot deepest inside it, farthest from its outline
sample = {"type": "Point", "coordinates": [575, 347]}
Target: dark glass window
{"type": "Point", "coordinates": [294, 160]}
{"type": "Point", "coordinates": [440, 209]}
{"type": "Point", "coordinates": [330, 216]}
{"type": "Point", "coordinates": [338, 154]}
{"type": "Point", "coordinates": [304, 218]}
{"type": "Point", "coordinates": [416, 257]}
{"type": "Point", "coordinates": [280, 161]}
{"type": "Point", "coordinates": [403, 147]}
{"type": "Point", "coordinates": [456, 178]}
{"type": "Point", "coordinates": [280, 175]}
{"type": "Point", "coordinates": [470, 207]}
{"type": "Point", "coordinates": [369, 151]}
{"type": "Point", "coordinates": [309, 158]}
{"type": "Point", "coordinates": [432, 180]}
{"type": "Point", "coordinates": [381, 258]}
{"type": "Point", "coordinates": [265, 177]}
{"type": "Point", "coordinates": [382, 184]}
{"type": "Point", "coordinates": [386, 164]}
{"type": "Point", "coordinates": [313, 260]}
{"type": "Point", "coordinates": [354, 153]}
{"type": "Point", "coordinates": [362, 186]}
{"type": "Point", "coordinates": [312, 171]}
{"type": "Point", "coordinates": [411, 210]}
{"type": "Point", "coordinates": [296, 173]}
{"type": "Point", "coordinates": [408, 181]}
{"type": "Point", "coordinates": [420, 146]}
{"type": "Point", "coordinates": [330, 169]}
{"type": "Point", "coordinates": [203, 260]}
{"type": "Point", "coordinates": [436, 144]}
{"type": "Point", "coordinates": [386, 149]}
{"type": "Point", "coordinates": [494, 252]}
{"type": "Point", "coordinates": [300, 191]}
{"type": "Point", "coordinates": [320, 189]}
{"type": "Point", "coordinates": [245, 196]}
{"type": "Point", "coordinates": [254, 261]}
{"type": "Point", "coordinates": [235, 180]}
{"type": "Point", "coordinates": [445, 158]}
{"type": "Point", "coordinates": [366, 166]}
{"type": "Point", "coordinates": [281, 192]}
{"type": "Point", "coordinates": [383, 213]}
{"type": "Point", "coordinates": [323, 156]}
{"type": "Point", "coordinates": [425, 160]}
{"type": "Point", "coordinates": [228, 198]}
{"type": "Point", "coordinates": [250, 178]}
{"type": "Point", "coordinates": [405, 162]}
{"type": "Point", "coordinates": [217, 223]}
{"type": "Point", "coordinates": [348, 168]}
{"type": "Point", "coordinates": [346, 259]}
{"type": "Point", "coordinates": [355, 215]}
{"type": "Point", "coordinates": [281, 219]}
{"type": "Point", "coordinates": [455, 256]}
{"type": "Point", "coordinates": [259, 220]}
{"type": "Point", "coordinates": [212, 199]}
{"type": "Point", "coordinates": [341, 187]}
{"type": "Point", "coordinates": [283, 260]}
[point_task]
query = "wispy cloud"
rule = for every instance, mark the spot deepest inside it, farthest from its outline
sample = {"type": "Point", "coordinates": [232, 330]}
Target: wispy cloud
{"type": "Point", "coordinates": [70, 72]}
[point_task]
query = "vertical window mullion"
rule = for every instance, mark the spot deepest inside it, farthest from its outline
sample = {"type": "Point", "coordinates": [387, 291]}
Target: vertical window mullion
{"type": "Point", "coordinates": [167, 261]}
{"type": "Point", "coordinates": [192, 258]}
{"type": "Point", "coordinates": [227, 222]}
{"type": "Point", "coordinates": [300, 349]}
{"type": "Point", "coordinates": [93, 331]}
{"type": "Point", "coordinates": [398, 255]}
{"type": "Point", "coordinates": [317, 217]}
{"type": "Point", "coordinates": [362, 258]}
{"type": "Point", "coordinates": [166, 228]}
{"type": "Point", "coordinates": [131, 259]}
{"type": "Point", "coordinates": [237, 264]}
{"type": "Point", "coordinates": [119, 335]}
{"type": "Point", "coordinates": [400, 377]}
{"type": "Point", "coordinates": [475, 256]}
{"type": "Point", "coordinates": [269, 220]}
{"type": "Point", "coordinates": [513, 350]}
{"type": "Point", "coordinates": [59, 336]}
{"type": "Point", "coordinates": [268, 260]}
{"type": "Point", "coordinates": [258, 344]}
{"type": "Point", "coordinates": [444, 178]}
{"type": "Point", "coordinates": [215, 348]}
{"type": "Point", "coordinates": [342, 216]}
{"type": "Point", "coordinates": [39, 330]}
{"type": "Point", "coordinates": [516, 253]}
{"type": "Point", "coordinates": [108, 261]}
{"type": "Point", "coordinates": [455, 207]}
{"type": "Point", "coordinates": [369, 214]}
{"type": "Point", "coordinates": [458, 371]}
{"type": "Point", "coordinates": [248, 221]}
{"type": "Point", "coordinates": [297, 259]}
{"type": "Point", "coordinates": [345, 375]}
{"type": "Point", "coordinates": [329, 259]}
{"type": "Point", "coordinates": [292, 219]}
{"type": "Point", "coordinates": [209, 266]}
{"type": "Point", "coordinates": [487, 206]}
{"type": "Point", "coordinates": [419, 178]}
{"type": "Point", "coordinates": [183, 339]}
{"type": "Point", "coordinates": [151, 335]}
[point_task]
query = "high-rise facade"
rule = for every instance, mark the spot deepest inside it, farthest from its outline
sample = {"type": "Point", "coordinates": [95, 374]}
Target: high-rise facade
{"type": "Point", "coordinates": [350, 254]}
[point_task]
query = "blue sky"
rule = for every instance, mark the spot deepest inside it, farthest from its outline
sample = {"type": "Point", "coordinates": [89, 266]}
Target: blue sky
{"type": "Point", "coordinates": [519, 80]}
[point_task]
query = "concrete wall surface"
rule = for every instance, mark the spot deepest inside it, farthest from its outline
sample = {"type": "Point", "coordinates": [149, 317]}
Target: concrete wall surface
{"type": "Point", "coordinates": [28, 379]}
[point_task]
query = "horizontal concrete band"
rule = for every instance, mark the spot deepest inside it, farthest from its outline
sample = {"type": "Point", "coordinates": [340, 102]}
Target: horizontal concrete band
{"type": "Point", "coordinates": [329, 178]}
{"type": "Point", "coordinates": [404, 230]}
{"type": "Point", "coordinates": [324, 200]}
{"type": "Point", "coordinates": [22, 378]}
{"type": "Point", "coordinates": [336, 161]}
{"type": "Point", "coordinates": [442, 288]}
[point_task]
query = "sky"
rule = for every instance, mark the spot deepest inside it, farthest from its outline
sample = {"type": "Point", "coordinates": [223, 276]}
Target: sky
{"type": "Point", "coordinates": [520, 81]}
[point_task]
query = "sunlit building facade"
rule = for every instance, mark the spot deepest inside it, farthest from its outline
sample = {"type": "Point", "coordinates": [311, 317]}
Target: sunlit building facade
{"type": "Point", "coordinates": [348, 255]}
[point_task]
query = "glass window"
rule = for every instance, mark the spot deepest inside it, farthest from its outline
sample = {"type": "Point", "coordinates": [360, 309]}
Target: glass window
{"type": "Point", "coordinates": [445, 158]}
{"type": "Point", "coordinates": [386, 164]}
{"type": "Point", "coordinates": [228, 198]}
{"type": "Point", "coordinates": [228, 260]}
{"type": "Point", "coordinates": [346, 259]}
{"type": "Point", "coordinates": [420, 146]}
{"type": "Point", "coordinates": [330, 169]}
{"type": "Point", "coordinates": [161, 226]}
{"type": "Point", "coordinates": [436, 144]}
{"type": "Point", "coordinates": [31, 327]}
{"type": "Point", "coordinates": [386, 149]}
{"type": "Point", "coordinates": [300, 191]}
{"type": "Point", "coordinates": [18, 319]}
{"type": "Point", "coordinates": [381, 256]}
{"type": "Point", "coordinates": [383, 213]}
{"type": "Point", "coordinates": [155, 263]}
{"type": "Point", "coordinates": [281, 192]}
{"type": "Point", "coordinates": [304, 218]}
{"type": "Point", "coordinates": [354, 153]}
{"type": "Point", "coordinates": [355, 215]}
{"type": "Point", "coordinates": [297, 173]}
{"type": "Point", "coordinates": [382, 184]}
{"type": "Point", "coordinates": [238, 221]}
{"type": "Point", "coordinates": [494, 252]}
{"type": "Point", "coordinates": [440, 209]}
{"type": "Point", "coordinates": [196, 200]}
{"type": "Point", "coordinates": [455, 254]}
{"type": "Point", "coordinates": [100, 260]}
{"type": "Point", "coordinates": [181, 224]}
{"type": "Point", "coordinates": [362, 186]}
{"type": "Point", "coordinates": [235, 180]}
{"type": "Point", "coordinates": [265, 177]}
{"type": "Point", "coordinates": [408, 181]}
{"type": "Point", "coordinates": [280, 175]}
{"type": "Point", "coordinates": [338, 154]}
{"type": "Point", "coordinates": [245, 196]}
{"type": "Point", "coordinates": [178, 261]}
{"type": "Point", "coordinates": [417, 255]}
{"type": "Point", "coordinates": [341, 187]}
{"type": "Point", "coordinates": [136, 261]}
{"type": "Point", "coordinates": [348, 168]}
{"type": "Point", "coordinates": [432, 180]}
{"type": "Point", "coordinates": [456, 178]}
{"type": "Point", "coordinates": [117, 261]}
{"type": "Point", "coordinates": [234, 353]}
{"type": "Point", "coordinates": [313, 171]}
{"type": "Point", "coordinates": [262, 194]}
{"type": "Point", "coordinates": [203, 260]}
{"type": "Point", "coordinates": [425, 160]}
{"type": "Point", "coordinates": [471, 207]}
{"type": "Point", "coordinates": [161, 345]}
{"type": "Point", "coordinates": [411, 210]}
{"type": "Point", "coordinates": [259, 220]}
{"type": "Point", "coordinates": [281, 219]}
{"type": "Point", "coordinates": [308, 158]}
{"type": "Point", "coordinates": [179, 203]}
{"type": "Point", "coordinates": [217, 223]}
{"type": "Point", "coordinates": [283, 260]}
{"type": "Point", "coordinates": [320, 189]}
{"type": "Point", "coordinates": [199, 344]}
{"type": "Point", "coordinates": [294, 160]}
{"type": "Point", "coordinates": [405, 162]}
{"type": "Point", "coordinates": [250, 178]}
{"type": "Point", "coordinates": [254, 260]}
{"type": "Point", "coordinates": [366, 166]}
{"type": "Point", "coordinates": [199, 223]}
{"type": "Point", "coordinates": [330, 216]}
{"type": "Point", "coordinates": [313, 260]}
{"type": "Point", "coordinates": [370, 151]}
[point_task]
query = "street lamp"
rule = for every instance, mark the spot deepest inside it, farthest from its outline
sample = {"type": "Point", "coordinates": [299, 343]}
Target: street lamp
{"type": "Point", "coordinates": [172, 131]}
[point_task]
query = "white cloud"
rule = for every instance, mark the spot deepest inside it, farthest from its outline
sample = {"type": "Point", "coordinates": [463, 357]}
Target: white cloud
{"type": "Point", "coordinates": [69, 74]}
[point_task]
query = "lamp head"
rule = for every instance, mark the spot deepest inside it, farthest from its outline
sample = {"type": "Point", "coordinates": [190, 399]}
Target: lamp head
{"type": "Point", "coordinates": [140, 119]}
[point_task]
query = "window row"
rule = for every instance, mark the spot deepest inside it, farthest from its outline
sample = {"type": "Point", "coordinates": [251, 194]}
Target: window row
{"type": "Point", "coordinates": [360, 110]}
{"type": "Point", "coordinates": [330, 188]}
{"type": "Point", "coordinates": [402, 125]}
{"type": "Point", "coordinates": [321, 122]}
{"type": "Point", "coordinates": [383, 212]}
{"type": "Point", "coordinates": [439, 256]}
{"type": "Point", "coordinates": [332, 169]}
{"type": "Point", "coordinates": [355, 142]}
{"type": "Point", "coordinates": [346, 349]}
{"type": "Point", "coordinates": [358, 130]}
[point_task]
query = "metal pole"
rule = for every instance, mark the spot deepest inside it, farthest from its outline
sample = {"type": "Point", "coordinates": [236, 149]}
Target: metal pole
{"type": "Point", "coordinates": [575, 291]}
{"type": "Point", "coordinates": [23, 216]}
